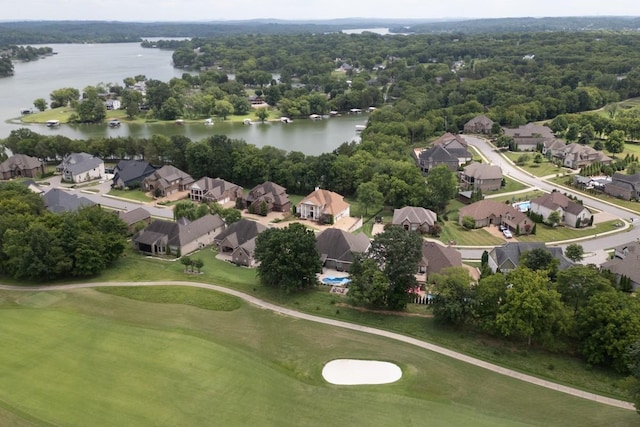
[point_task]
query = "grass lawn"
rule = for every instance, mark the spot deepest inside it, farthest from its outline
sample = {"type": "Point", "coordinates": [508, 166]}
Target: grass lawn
{"type": "Point", "coordinates": [511, 185]}
{"type": "Point", "coordinates": [538, 169]}
{"type": "Point", "coordinates": [89, 358]}
{"type": "Point", "coordinates": [519, 197]}
{"type": "Point", "coordinates": [136, 195]}
{"type": "Point", "coordinates": [627, 204]}
{"type": "Point", "coordinates": [544, 233]}
{"type": "Point", "coordinates": [452, 231]}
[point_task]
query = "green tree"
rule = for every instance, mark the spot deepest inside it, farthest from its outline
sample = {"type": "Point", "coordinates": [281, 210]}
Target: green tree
{"type": "Point", "coordinates": [288, 258]}
{"type": "Point", "coordinates": [40, 104]}
{"type": "Point", "coordinates": [185, 209]}
{"type": "Point", "coordinates": [579, 283]}
{"type": "Point", "coordinates": [540, 259]}
{"type": "Point", "coordinates": [633, 364]}
{"type": "Point", "coordinates": [608, 324]}
{"type": "Point", "coordinates": [442, 186]}
{"type": "Point", "coordinates": [489, 295]}
{"type": "Point", "coordinates": [554, 218]}
{"type": "Point", "coordinates": [575, 252]}
{"type": "Point", "coordinates": [223, 108]}
{"type": "Point", "coordinates": [131, 101]}
{"type": "Point", "coordinates": [92, 110]}
{"type": "Point", "coordinates": [369, 285]}
{"type": "Point", "coordinates": [453, 295]}
{"type": "Point", "coordinates": [198, 264]}
{"type": "Point", "coordinates": [187, 262]}
{"type": "Point", "coordinates": [468, 222]}
{"type": "Point", "coordinates": [532, 308]}
{"type": "Point", "coordinates": [572, 133]}
{"type": "Point", "coordinates": [368, 196]}
{"type": "Point", "coordinates": [615, 142]}
{"type": "Point", "coordinates": [262, 114]}
{"type": "Point", "coordinates": [171, 109]}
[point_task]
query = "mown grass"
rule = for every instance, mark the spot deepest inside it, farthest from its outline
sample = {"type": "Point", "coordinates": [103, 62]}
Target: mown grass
{"type": "Point", "coordinates": [545, 233]}
{"type": "Point", "coordinates": [625, 204]}
{"type": "Point", "coordinates": [197, 297]}
{"type": "Point", "coordinates": [510, 186]}
{"type": "Point", "coordinates": [90, 358]}
{"type": "Point", "coordinates": [537, 169]}
{"type": "Point", "coordinates": [135, 195]}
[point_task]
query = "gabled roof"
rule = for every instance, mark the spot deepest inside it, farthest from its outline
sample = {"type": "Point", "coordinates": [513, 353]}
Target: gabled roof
{"type": "Point", "coordinates": [337, 244]}
{"type": "Point", "coordinates": [555, 200]}
{"type": "Point", "coordinates": [512, 251]}
{"type": "Point", "coordinates": [198, 228]}
{"type": "Point", "coordinates": [20, 162]}
{"type": "Point", "coordinates": [436, 257]}
{"type": "Point", "coordinates": [414, 215]}
{"type": "Point", "coordinates": [76, 163]}
{"type": "Point", "coordinates": [481, 119]}
{"type": "Point", "coordinates": [269, 190]}
{"type": "Point", "coordinates": [132, 170]}
{"type": "Point", "coordinates": [214, 187]}
{"type": "Point", "coordinates": [169, 173]}
{"type": "Point", "coordinates": [329, 202]}
{"type": "Point", "coordinates": [57, 200]}
{"type": "Point", "coordinates": [438, 153]}
{"type": "Point", "coordinates": [530, 130]}
{"type": "Point", "coordinates": [631, 180]}
{"type": "Point", "coordinates": [133, 216]}
{"type": "Point", "coordinates": [178, 233]}
{"type": "Point", "coordinates": [238, 233]}
{"type": "Point", "coordinates": [624, 267]}
{"type": "Point", "coordinates": [487, 207]}
{"type": "Point", "coordinates": [448, 137]}
{"type": "Point", "coordinates": [483, 171]}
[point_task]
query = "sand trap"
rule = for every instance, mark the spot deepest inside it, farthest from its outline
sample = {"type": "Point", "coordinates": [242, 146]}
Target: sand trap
{"type": "Point", "coordinates": [357, 372]}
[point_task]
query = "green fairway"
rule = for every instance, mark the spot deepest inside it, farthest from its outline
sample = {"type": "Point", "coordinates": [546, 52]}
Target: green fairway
{"type": "Point", "coordinates": [89, 358]}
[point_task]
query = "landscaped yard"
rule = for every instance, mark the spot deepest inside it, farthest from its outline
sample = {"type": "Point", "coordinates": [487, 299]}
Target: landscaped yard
{"type": "Point", "coordinates": [92, 358]}
{"type": "Point", "coordinates": [538, 169]}
{"type": "Point", "coordinates": [627, 204]}
{"type": "Point", "coordinates": [452, 232]}
{"type": "Point", "coordinates": [544, 233]}
{"type": "Point", "coordinates": [510, 185]}
{"type": "Point", "coordinates": [136, 195]}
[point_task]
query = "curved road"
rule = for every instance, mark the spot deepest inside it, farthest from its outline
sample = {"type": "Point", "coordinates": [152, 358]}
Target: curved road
{"type": "Point", "coordinates": [346, 325]}
{"type": "Point", "coordinates": [591, 245]}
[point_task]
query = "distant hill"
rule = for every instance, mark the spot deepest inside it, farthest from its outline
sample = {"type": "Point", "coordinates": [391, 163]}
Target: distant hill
{"type": "Point", "coordinates": [36, 32]}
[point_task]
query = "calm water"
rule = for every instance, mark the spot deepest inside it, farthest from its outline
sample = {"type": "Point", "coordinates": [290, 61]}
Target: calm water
{"type": "Point", "coordinates": [82, 65]}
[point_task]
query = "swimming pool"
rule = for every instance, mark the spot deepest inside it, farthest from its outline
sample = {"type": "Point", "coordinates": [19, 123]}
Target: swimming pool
{"type": "Point", "coordinates": [522, 206]}
{"type": "Point", "coordinates": [335, 281]}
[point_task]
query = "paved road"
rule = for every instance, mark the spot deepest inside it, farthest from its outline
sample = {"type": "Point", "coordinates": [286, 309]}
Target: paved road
{"type": "Point", "coordinates": [591, 245]}
{"type": "Point", "coordinates": [346, 325]}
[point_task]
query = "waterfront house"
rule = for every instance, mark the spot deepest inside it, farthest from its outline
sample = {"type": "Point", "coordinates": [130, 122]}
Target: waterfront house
{"type": "Point", "coordinates": [167, 180]}
{"type": "Point", "coordinates": [208, 190]}
{"type": "Point", "coordinates": [21, 166]}
{"type": "Point", "coordinates": [81, 167]}
{"type": "Point", "coordinates": [131, 173]}
{"type": "Point", "coordinates": [274, 196]}
{"type": "Point", "coordinates": [323, 205]}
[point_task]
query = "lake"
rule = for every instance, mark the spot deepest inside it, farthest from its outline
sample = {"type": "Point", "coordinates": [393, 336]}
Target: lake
{"type": "Point", "coordinates": [82, 65]}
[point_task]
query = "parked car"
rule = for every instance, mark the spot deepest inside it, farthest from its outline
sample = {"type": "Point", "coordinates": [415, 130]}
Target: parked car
{"type": "Point", "coordinates": [502, 227]}
{"type": "Point", "coordinates": [507, 234]}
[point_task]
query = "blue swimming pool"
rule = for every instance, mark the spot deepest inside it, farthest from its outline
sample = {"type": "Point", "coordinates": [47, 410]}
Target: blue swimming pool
{"type": "Point", "coordinates": [522, 206]}
{"type": "Point", "coordinates": [336, 281]}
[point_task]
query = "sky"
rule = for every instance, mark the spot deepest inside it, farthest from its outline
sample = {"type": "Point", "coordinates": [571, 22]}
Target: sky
{"type": "Point", "coordinates": [212, 10]}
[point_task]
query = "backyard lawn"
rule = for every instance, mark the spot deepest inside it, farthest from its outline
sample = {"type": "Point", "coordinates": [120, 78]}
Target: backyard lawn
{"type": "Point", "coordinates": [537, 169]}
{"type": "Point", "coordinates": [544, 233]}
{"type": "Point", "coordinates": [85, 357]}
{"type": "Point", "coordinates": [135, 195]}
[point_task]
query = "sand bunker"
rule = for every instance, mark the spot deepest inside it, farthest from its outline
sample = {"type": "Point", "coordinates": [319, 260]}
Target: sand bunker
{"type": "Point", "coordinates": [357, 372]}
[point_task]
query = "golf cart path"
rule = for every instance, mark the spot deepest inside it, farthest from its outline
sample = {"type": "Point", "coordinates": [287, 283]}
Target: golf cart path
{"type": "Point", "coordinates": [346, 325]}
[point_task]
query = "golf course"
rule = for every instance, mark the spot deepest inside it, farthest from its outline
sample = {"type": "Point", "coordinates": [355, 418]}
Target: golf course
{"type": "Point", "coordinates": [156, 356]}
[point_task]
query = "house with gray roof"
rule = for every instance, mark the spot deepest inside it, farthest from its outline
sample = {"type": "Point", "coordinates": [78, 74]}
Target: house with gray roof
{"type": "Point", "coordinates": [507, 257]}
{"type": "Point", "coordinates": [167, 180]}
{"type": "Point", "coordinates": [57, 200]}
{"type": "Point", "coordinates": [624, 186]}
{"type": "Point", "coordinates": [626, 249]}
{"type": "Point", "coordinates": [238, 240]}
{"type": "Point", "coordinates": [81, 167]}
{"type": "Point", "coordinates": [529, 136]}
{"type": "Point", "coordinates": [449, 149]}
{"type": "Point", "coordinates": [208, 190]}
{"type": "Point", "coordinates": [21, 166]}
{"type": "Point", "coordinates": [337, 248]}
{"type": "Point", "coordinates": [573, 214]}
{"type": "Point", "coordinates": [414, 218]}
{"type": "Point", "coordinates": [481, 176]}
{"type": "Point", "coordinates": [134, 217]}
{"type": "Point", "coordinates": [479, 124]}
{"type": "Point", "coordinates": [576, 156]}
{"type": "Point", "coordinates": [178, 238]}
{"type": "Point", "coordinates": [627, 267]}
{"type": "Point", "coordinates": [436, 257]}
{"type": "Point", "coordinates": [131, 173]}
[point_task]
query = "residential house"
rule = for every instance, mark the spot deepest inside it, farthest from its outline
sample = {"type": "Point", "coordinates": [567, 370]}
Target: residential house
{"type": "Point", "coordinates": [179, 238]}
{"type": "Point", "coordinates": [414, 218]}
{"type": "Point", "coordinates": [323, 205]}
{"type": "Point", "coordinates": [131, 173]}
{"type": "Point", "coordinates": [576, 156]}
{"type": "Point", "coordinates": [529, 136]}
{"type": "Point", "coordinates": [167, 180]}
{"type": "Point", "coordinates": [217, 190]}
{"type": "Point", "coordinates": [479, 124]}
{"type": "Point", "coordinates": [20, 166]}
{"type": "Point", "coordinates": [112, 104]}
{"type": "Point", "coordinates": [626, 249]}
{"type": "Point", "coordinates": [337, 248]}
{"type": "Point", "coordinates": [553, 147]}
{"type": "Point", "coordinates": [273, 195]}
{"type": "Point", "coordinates": [57, 200]}
{"type": "Point", "coordinates": [624, 186]}
{"type": "Point", "coordinates": [507, 257]}
{"type": "Point", "coordinates": [436, 257]}
{"type": "Point", "coordinates": [134, 217]}
{"type": "Point", "coordinates": [481, 176]}
{"type": "Point", "coordinates": [489, 212]}
{"type": "Point", "coordinates": [81, 167]}
{"type": "Point", "coordinates": [239, 240]}
{"type": "Point", "coordinates": [627, 267]}
{"type": "Point", "coordinates": [573, 214]}
{"type": "Point", "coordinates": [449, 149]}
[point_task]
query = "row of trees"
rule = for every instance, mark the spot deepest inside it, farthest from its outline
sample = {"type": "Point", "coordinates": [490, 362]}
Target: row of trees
{"type": "Point", "coordinates": [578, 308]}
{"type": "Point", "coordinates": [39, 245]}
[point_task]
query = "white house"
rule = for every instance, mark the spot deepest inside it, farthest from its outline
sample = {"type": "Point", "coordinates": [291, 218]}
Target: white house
{"type": "Point", "coordinates": [81, 167]}
{"type": "Point", "coordinates": [323, 203]}
{"type": "Point", "coordinates": [573, 214]}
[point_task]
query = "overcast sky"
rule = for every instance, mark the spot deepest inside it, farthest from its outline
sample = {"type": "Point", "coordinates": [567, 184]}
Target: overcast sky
{"type": "Point", "coordinates": [212, 10]}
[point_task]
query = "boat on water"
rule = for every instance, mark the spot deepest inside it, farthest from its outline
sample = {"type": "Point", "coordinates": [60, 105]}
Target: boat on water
{"type": "Point", "coordinates": [285, 120]}
{"type": "Point", "coordinates": [208, 122]}
{"type": "Point", "coordinates": [114, 123]}
{"type": "Point", "coordinates": [247, 122]}
{"type": "Point", "coordinates": [53, 123]}
{"type": "Point", "coordinates": [360, 128]}
{"type": "Point", "coordinates": [315, 117]}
